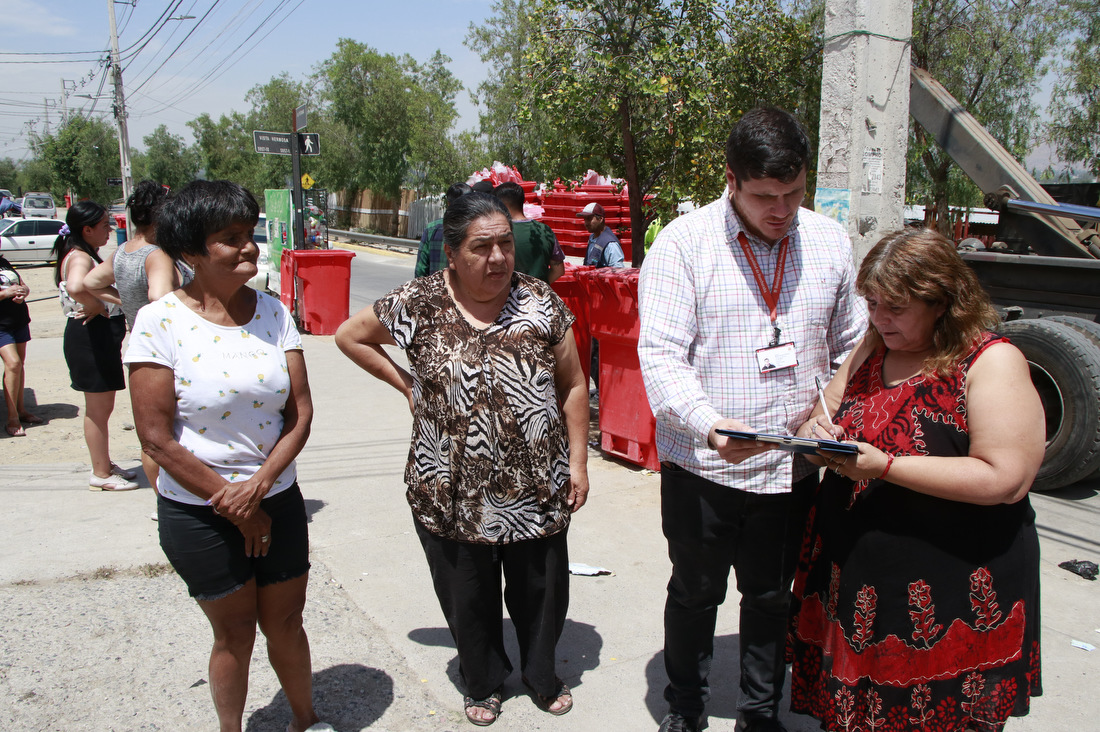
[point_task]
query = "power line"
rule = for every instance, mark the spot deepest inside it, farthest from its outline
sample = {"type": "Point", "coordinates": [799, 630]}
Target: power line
{"type": "Point", "coordinates": [48, 53]}
{"type": "Point", "coordinates": [232, 25]}
{"type": "Point", "coordinates": [173, 53]}
{"type": "Point", "coordinates": [153, 29]}
{"type": "Point", "coordinates": [217, 71]}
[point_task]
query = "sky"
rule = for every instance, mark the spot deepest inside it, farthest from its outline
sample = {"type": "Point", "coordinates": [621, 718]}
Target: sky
{"type": "Point", "coordinates": [233, 45]}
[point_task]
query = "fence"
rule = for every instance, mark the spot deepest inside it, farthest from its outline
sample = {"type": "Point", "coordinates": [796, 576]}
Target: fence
{"type": "Point", "coordinates": [421, 213]}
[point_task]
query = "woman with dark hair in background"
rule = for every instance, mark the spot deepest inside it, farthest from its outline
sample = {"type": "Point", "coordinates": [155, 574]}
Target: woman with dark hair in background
{"type": "Point", "coordinates": [139, 270]}
{"type": "Point", "coordinates": [222, 405]}
{"type": "Point", "coordinates": [93, 337]}
{"type": "Point", "coordinates": [499, 446]}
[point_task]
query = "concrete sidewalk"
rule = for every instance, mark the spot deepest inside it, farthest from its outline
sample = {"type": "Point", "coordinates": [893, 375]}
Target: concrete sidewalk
{"type": "Point", "coordinates": [363, 543]}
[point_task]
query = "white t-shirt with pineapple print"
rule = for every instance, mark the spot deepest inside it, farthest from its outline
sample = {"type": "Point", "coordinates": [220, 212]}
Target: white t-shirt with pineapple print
{"type": "Point", "coordinates": [231, 385]}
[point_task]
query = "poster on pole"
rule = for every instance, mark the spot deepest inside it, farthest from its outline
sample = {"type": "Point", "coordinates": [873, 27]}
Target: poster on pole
{"type": "Point", "coordinates": [834, 203]}
{"type": "Point", "coordinates": [277, 206]}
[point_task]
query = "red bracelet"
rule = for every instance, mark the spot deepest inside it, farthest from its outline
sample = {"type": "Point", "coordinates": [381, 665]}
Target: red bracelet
{"type": "Point", "coordinates": [889, 462]}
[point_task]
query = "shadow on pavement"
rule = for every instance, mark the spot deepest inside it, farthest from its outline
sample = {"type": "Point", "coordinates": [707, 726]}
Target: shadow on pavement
{"type": "Point", "coordinates": [724, 677]}
{"type": "Point", "coordinates": [56, 410]}
{"type": "Point", "coordinates": [313, 505]}
{"type": "Point", "coordinates": [348, 696]}
{"type": "Point", "coordinates": [578, 652]}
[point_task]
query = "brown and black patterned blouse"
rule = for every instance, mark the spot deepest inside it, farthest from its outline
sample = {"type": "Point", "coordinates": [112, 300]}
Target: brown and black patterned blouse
{"type": "Point", "coordinates": [489, 460]}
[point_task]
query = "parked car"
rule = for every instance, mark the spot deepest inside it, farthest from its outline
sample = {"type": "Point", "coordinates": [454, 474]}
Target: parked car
{"type": "Point", "coordinates": [5, 193]}
{"type": "Point", "coordinates": [39, 205]}
{"type": "Point", "coordinates": [28, 240]}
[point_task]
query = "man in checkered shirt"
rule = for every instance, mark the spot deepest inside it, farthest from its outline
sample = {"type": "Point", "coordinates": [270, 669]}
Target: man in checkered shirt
{"type": "Point", "coordinates": [742, 303]}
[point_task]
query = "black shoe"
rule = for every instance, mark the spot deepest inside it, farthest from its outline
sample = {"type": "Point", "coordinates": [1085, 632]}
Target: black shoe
{"type": "Point", "coordinates": [676, 722]}
{"type": "Point", "coordinates": [759, 724]}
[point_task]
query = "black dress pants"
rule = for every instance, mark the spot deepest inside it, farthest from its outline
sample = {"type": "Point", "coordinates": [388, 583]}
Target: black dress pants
{"type": "Point", "coordinates": [467, 579]}
{"type": "Point", "coordinates": [711, 528]}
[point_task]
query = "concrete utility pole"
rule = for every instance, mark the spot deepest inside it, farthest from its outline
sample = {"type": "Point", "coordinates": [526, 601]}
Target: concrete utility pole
{"type": "Point", "coordinates": [120, 107]}
{"type": "Point", "coordinates": [864, 130]}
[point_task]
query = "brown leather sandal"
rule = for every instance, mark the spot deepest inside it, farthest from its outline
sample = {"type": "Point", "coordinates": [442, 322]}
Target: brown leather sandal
{"type": "Point", "coordinates": [490, 703]}
{"type": "Point", "coordinates": [562, 694]}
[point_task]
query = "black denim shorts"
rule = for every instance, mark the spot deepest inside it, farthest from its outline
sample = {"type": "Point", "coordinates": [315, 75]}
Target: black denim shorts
{"type": "Point", "coordinates": [207, 550]}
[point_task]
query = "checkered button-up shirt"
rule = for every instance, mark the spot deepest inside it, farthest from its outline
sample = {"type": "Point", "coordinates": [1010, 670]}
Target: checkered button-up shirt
{"type": "Point", "coordinates": [703, 318]}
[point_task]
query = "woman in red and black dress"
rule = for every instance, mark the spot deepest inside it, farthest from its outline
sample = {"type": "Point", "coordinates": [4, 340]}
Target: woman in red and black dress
{"type": "Point", "coordinates": [916, 603]}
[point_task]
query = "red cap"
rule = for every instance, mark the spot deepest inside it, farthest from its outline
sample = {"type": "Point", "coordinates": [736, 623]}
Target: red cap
{"type": "Point", "coordinates": [592, 209]}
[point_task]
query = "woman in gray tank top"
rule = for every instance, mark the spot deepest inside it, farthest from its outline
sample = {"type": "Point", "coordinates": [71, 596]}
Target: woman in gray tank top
{"type": "Point", "coordinates": [139, 270]}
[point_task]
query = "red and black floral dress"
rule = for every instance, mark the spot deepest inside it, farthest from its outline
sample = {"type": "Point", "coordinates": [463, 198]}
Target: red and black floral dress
{"type": "Point", "coordinates": [912, 612]}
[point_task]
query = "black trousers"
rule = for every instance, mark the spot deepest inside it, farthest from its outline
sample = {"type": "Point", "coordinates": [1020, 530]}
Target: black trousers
{"type": "Point", "coordinates": [711, 528]}
{"type": "Point", "coordinates": [467, 579]}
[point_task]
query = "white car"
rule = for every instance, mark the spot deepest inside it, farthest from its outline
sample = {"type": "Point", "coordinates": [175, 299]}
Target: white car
{"type": "Point", "coordinates": [39, 205]}
{"type": "Point", "coordinates": [28, 240]}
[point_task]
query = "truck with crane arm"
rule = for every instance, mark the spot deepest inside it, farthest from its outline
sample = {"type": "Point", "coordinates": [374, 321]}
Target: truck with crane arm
{"type": "Point", "coordinates": [1045, 284]}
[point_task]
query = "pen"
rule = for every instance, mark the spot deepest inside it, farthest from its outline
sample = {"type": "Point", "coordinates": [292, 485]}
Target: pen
{"type": "Point", "coordinates": [821, 398]}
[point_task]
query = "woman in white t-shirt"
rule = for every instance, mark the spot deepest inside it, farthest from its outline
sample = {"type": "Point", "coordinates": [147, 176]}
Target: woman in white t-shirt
{"type": "Point", "coordinates": [222, 404]}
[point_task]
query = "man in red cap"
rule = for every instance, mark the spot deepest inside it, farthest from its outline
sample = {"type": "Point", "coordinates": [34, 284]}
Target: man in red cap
{"type": "Point", "coordinates": [604, 249]}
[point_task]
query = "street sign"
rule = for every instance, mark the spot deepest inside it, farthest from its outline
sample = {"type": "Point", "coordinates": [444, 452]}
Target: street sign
{"type": "Point", "coordinates": [114, 181]}
{"type": "Point", "coordinates": [310, 143]}
{"type": "Point", "coordinates": [307, 181]}
{"type": "Point", "coordinates": [300, 118]}
{"type": "Point", "coordinates": [278, 143]}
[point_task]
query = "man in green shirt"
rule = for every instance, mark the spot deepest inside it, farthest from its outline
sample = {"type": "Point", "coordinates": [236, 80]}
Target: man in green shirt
{"type": "Point", "coordinates": [430, 257]}
{"type": "Point", "coordinates": [537, 250]}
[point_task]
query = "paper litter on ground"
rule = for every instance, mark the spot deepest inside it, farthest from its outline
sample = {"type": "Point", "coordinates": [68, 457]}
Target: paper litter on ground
{"type": "Point", "coordinates": [587, 570]}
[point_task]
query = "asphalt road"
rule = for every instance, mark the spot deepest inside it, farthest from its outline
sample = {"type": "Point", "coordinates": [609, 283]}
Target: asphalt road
{"type": "Point", "coordinates": [374, 272]}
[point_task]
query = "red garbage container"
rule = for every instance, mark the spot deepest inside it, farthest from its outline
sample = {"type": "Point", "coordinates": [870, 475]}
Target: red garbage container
{"type": "Point", "coordinates": [627, 427]}
{"type": "Point", "coordinates": [120, 228]}
{"type": "Point", "coordinates": [322, 283]}
{"type": "Point", "coordinates": [574, 293]}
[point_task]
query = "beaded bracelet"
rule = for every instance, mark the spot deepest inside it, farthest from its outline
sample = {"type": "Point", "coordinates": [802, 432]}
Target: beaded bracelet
{"type": "Point", "coordinates": [889, 462]}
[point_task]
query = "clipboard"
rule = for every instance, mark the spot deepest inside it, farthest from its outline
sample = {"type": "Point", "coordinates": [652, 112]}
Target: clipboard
{"type": "Point", "coordinates": [806, 445]}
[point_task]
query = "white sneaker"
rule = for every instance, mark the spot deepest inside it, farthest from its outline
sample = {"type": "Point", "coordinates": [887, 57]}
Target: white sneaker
{"type": "Point", "coordinates": [123, 472]}
{"type": "Point", "coordinates": [110, 483]}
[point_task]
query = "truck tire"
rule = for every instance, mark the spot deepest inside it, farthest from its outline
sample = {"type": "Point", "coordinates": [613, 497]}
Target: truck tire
{"type": "Point", "coordinates": [1065, 368]}
{"type": "Point", "coordinates": [1086, 328]}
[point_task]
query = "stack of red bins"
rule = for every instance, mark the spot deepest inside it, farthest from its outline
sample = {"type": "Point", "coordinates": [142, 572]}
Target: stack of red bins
{"type": "Point", "coordinates": [561, 207]}
{"type": "Point", "coordinates": [573, 290]}
{"type": "Point", "coordinates": [627, 425]}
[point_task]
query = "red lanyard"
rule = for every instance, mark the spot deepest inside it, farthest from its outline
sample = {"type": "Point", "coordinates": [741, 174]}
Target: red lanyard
{"type": "Point", "coordinates": [771, 296]}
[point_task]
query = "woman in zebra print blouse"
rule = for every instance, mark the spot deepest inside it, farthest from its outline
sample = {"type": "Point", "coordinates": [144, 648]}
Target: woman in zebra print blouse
{"type": "Point", "coordinates": [499, 445]}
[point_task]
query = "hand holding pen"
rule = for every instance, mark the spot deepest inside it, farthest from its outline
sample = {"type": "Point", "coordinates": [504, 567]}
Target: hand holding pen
{"type": "Point", "coordinates": [832, 435]}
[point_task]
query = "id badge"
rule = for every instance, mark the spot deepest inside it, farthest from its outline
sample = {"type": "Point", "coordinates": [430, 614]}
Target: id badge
{"type": "Point", "coordinates": [775, 358]}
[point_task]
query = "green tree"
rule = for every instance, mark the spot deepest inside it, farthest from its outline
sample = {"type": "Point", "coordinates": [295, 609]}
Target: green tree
{"type": "Point", "coordinates": [989, 54]}
{"type": "Point", "coordinates": [168, 160]}
{"type": "Point", "coordinates": [34, 175]}
{"type": "Point", "coordinates": [81, 157]}
{"type": "Point", "coordinates": [434, 158]}
{"type": "Point", "coordinates": [502, 42]}
{"type": "Point", "coordinates": [391, 117]}
{"type": "Point", "coordinates": [1075, 104]}
{"type": "Point", "coordinates": [9, 175]}
{"type": "Point", "coordinates": [653, 87]}
{"type": "Point", "coordinates": [226, 150]}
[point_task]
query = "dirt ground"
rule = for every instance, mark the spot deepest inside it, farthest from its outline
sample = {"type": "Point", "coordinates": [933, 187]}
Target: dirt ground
{"type": "Point", "coordinates": [128, 650]}
{"type": "Point", "coordinates": [72, 659]}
